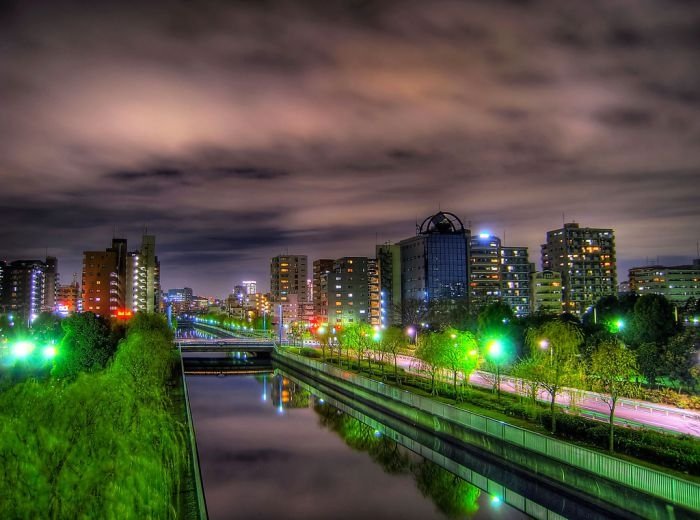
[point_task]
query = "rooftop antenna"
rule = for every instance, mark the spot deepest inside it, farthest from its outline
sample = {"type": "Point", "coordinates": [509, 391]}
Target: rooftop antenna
{"type": "Point", "coordinates": [504, 237]}
{"type": "Point", "coordinates": [563, 219]}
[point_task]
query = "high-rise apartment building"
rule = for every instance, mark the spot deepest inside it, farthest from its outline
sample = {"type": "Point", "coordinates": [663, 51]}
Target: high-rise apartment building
{"type": "Point", "coordinates": [434, 263]}
{"type": "Point", "coordinates": [24, 288]}
{"type": "Point", "coordinates": [484, 270]}
{"type": "Point", "coordinates": [585, 258]}
{"type": "Point", "coordinates": [101, 289]}
{"type": "Point", "coordinates": [546, 292]}
{"type": "Point", "coordinates": [50, 284]}
{"type": "Point", "coordinates": [348, 291]}
{"type": "Point", "coordinates": [321, 268]}
{"type": "Point", "coordinates": [288, 275]}
{"type": "Point", "coordinates": [389, 271]}
{"type": "Point", "coordinates": [676, 283]}
{"type": "Point", "coordinates": [515, 279]}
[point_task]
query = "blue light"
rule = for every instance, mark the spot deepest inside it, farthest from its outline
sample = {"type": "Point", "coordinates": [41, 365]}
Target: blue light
{"type": "Point", "coordinates": [484, 235]}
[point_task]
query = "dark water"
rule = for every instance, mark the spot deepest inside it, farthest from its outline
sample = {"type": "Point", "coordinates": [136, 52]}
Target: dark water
{"type": "Point", "coordinates": [270, 449]}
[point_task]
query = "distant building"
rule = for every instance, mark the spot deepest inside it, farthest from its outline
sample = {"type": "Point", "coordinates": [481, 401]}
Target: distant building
{"type": "Point", "coordinates": [24, 288]}
{"type": "Point", "coordinates": [676, 283]}
{"type": "Point", "coordinates": [389, 271]}
{"type": "Point", "coordinates": [546, 292]}
{"type": "Point", "coordinates": [585, 258]}
{"type": "Point", "coordinates": [373, 292]}
{"type": "Point", "coordinates": [288, 275]}
{"type": "Point", "coordinates": [251, 286]}
{"type": "Point", "coordinates": [434, 263]}
{"type": "Point", "coordinates": [50, 284]}
{"type": "Point", "coordinates": [180, 300]}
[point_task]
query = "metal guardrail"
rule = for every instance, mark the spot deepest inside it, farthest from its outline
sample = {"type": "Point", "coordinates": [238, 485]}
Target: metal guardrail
{"type": "Point", "coordinates": [674, 489]}
{"type": "Point", "coordinates": [201, 500]}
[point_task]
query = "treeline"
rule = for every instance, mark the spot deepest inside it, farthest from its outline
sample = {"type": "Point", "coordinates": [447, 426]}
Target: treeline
{"type": "Point", "coordinates": [98, 437]}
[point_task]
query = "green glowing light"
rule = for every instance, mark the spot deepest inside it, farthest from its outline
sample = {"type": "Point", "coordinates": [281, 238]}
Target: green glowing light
{"type": "Point", "coordinates": [50, 352]}
{"type": "Point", "coordinates": [22, 349]}
{"type": "Point", "coordinates": [495, 500]}
{"type": "Point", "coordinates": [495, 349]}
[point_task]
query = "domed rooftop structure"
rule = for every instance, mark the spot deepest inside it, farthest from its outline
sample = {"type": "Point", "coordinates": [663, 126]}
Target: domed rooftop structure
{"type": "Point", "coordinates": [442, 223]}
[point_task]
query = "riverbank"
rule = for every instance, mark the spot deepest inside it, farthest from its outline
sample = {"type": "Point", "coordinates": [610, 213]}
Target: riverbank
{"type": "Point", "coordinates": [648, 493]}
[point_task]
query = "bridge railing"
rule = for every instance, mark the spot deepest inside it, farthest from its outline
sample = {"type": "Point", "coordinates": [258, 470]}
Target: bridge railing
{"type": "Point", "coordinates": [647, 480]}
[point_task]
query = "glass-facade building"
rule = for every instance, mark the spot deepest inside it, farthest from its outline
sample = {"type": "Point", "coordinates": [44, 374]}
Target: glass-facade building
{"type": "Point", "coordinates": [434, 263]}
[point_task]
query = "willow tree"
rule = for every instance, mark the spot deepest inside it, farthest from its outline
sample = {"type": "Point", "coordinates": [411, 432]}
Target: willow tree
{"type": "Point", "coordinates": [554, 349]}
{"type": "Point", "coordinates": [460, 355]}
{"type": "Point", "coordinates": [612, 372]}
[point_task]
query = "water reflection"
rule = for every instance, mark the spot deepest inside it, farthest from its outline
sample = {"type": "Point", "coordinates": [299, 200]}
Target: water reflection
{"type": "Point", "coordinates": [366, 474]}
{"type": "Point", "coordinates": [454, 497]}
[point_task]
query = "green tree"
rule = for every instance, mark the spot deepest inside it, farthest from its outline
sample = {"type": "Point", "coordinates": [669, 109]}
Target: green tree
{"type": "Point", "coordinates": [459, 356]}
{"type": "Point", "coordinates": [86, 346]}
{"type": "Point", "coordinates": [554, 348]}
{"type": "Point", "coordinates": [393, 340]}
{"type": "Point", "coordinates": [431, 350]}
{"type": "Point", "coordinates": [679, 356]}
{"type": "Point", "coordinates": [653, 321]}
{"type": "Point", "coordinates": [611, 372]}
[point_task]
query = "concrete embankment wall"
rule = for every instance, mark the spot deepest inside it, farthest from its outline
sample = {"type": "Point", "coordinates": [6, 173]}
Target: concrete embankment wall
{"type": "Point", "coordinates": [611, 483]}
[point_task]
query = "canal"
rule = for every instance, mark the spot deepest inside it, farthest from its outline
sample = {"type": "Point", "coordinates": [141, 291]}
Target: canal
{"type": "Point", "coordinates": [269, 446]}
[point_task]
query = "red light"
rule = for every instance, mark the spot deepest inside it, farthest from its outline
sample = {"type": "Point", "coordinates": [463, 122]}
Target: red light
{"type": "Point", "coordinates": [124, 314]}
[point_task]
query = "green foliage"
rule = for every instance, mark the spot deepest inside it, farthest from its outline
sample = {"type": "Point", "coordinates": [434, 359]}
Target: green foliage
{"type": "Point", "coordinates": [653, 321]}
{"type": "Point", "coordinates": [611, 373]}
{"type": "Point", "coordinates": [87, 346]}
{"type": "Point", "coordinates": [95, 445]}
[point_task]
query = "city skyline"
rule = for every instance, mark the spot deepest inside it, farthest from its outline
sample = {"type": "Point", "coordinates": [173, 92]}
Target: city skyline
{"type": "Point", "coordinates": [236, 132]}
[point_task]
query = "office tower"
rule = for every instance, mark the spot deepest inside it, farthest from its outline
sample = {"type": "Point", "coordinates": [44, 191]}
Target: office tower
{"type": "Point", "coordinates": [348, 291]}
{"type": "Point", "coordinates": [585, 258]}
{"type": "Point", "coordinates": [676, 283]}
{"type": "Point", "coordinates": [434, 263]}
{"type": "Point", "coordinates": [484, 271]}
{"type": "Point", "coordinates": [24, 289]}
{"type": "Point", "coordinates": [515, 279]}
{"type": "Point", "coordinates": [288, 275]}
{"type": "Point", "coordinates": [251, 286]}
{"type": "Point", "coordinates": [389, 271]}
{"type": "Point", "coordinates": [546, 292]}
{"type": "Point", "coordinates": [321, 268]}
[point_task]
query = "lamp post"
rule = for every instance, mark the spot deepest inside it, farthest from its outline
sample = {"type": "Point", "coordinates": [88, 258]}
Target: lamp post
{"type": "Point", "coordinates": [544, 345]}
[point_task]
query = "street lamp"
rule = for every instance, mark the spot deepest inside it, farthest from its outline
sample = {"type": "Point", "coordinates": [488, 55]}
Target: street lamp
{"type": "Point", "coordinates": [22, 349]}
{"type": "Point", "coordinates": [495, 352]}
{"type": "Point", "coordinates": [544, 345]}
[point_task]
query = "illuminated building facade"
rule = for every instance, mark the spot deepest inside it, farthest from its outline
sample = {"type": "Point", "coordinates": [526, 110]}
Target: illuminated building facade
{"type": "Point", "coordinates": [24, 289]}
{"type": "Point", "coordinates": [484, 270]}
{"type": "Point", "coordinates": [676, 283]}
{"type": "Point", "coordinates": [585, 258]}
{"type": "Point", "coordinates": [251, 286]}
{"type": "Point", "coordinates": [180, 300]}
{"type": "Point", "coordinates": [546, 292]}
{"type": "Point", "coordinates": [434, 263]}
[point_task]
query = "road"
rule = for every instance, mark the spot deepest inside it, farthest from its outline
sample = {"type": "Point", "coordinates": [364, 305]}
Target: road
{"type": "Point", "coordinates": [628, 412]}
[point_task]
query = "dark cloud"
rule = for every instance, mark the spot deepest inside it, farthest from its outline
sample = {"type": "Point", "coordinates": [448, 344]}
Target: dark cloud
{"type": "Point", "coordinates": [239, 130]}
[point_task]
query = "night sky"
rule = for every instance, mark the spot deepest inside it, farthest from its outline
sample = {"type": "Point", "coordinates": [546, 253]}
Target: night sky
{"type": "Point", "coordinates": [236, 131]}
